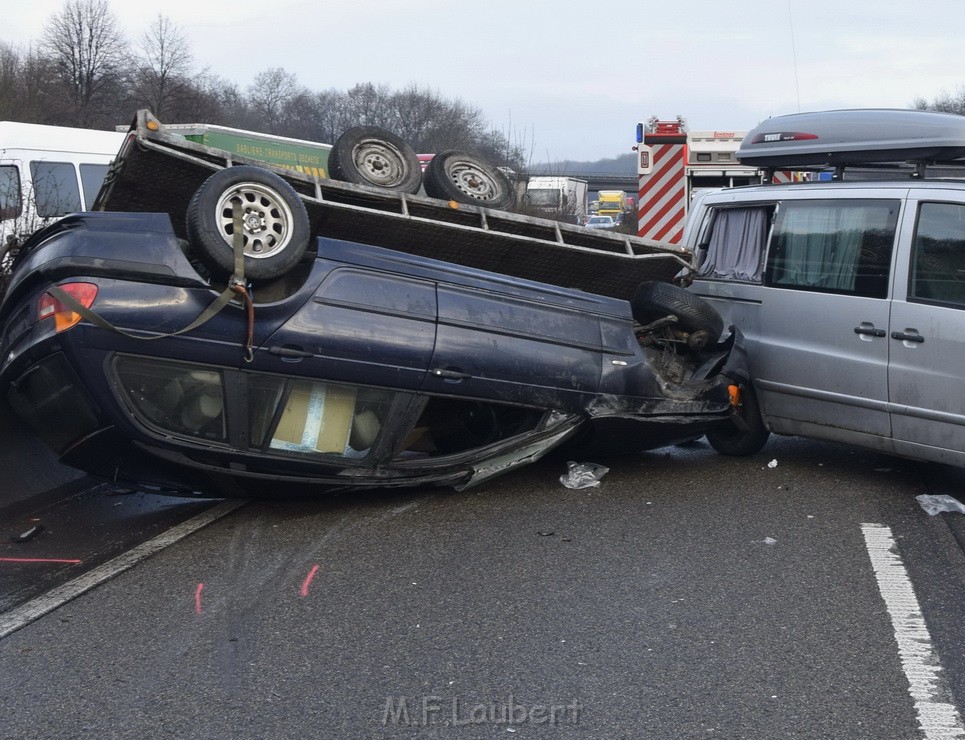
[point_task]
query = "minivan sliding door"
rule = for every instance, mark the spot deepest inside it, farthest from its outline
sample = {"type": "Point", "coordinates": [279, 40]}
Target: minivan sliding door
{"type": "Point", "coordinates": [822, 362]}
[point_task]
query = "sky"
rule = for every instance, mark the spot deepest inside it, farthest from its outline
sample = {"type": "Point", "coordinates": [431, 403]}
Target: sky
{"type": "Point", "coordinates": [570, 80]}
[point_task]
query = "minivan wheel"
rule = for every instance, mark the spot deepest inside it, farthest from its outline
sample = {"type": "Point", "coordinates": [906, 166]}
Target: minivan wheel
{"type": "Point", "coordinates": [654, 300]}
{"type": "Point", "coordinates": [730, 438]}
{"type": "Point", "coordinates": [275, 227]}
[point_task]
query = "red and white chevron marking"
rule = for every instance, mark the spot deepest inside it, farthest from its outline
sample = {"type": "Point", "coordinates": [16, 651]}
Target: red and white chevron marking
{"type": "Point", "coordinates": [662, 195]}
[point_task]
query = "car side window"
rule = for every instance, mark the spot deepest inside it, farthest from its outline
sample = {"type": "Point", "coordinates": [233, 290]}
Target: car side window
{"type": "Point", "coordinates": [833, 246]}
{"type": "Point", "coordinates": [10, 203]}
{"type": "Point", "coordinates": [734, 247]}
{"type": "Point", "coordinates": [938, 255]}
{"type": "Point", "coordinates": [449, 426]}
{"type": "Point", "coordinates": [311, 417]}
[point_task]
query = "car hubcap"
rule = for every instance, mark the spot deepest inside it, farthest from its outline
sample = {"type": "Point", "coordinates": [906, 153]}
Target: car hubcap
{"type": "Point", "coordinates": [379, 163]}
{"type": "Point", "coordinates": [472, 182]}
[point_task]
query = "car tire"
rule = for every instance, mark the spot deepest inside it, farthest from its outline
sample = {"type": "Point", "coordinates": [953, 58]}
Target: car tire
{"type": "Point", "coordinates": [654, 299]}
{"type": "Point", "coordinates": [277, 230]}
{"type": "Point", "coordinates": [466, 178]}
{"type": "Point", "coordinates": [731, 439]}
{"type": "Point", "coordinates": [369, 155]}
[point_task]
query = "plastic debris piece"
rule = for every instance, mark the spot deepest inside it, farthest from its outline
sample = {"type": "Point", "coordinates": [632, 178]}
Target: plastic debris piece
{"type": "Point", "coordinates": [770, 541]}
{"type": "Point", "coordinates": [546, 533]}
{"type": "Point", "coordinates": [772, 464]}
{"type": "Point", "coordinates": [29, 534]}
{"type": "Point", "coordinates": [583, 475]}
{"type": "Point", "coordinates": [936, 504]}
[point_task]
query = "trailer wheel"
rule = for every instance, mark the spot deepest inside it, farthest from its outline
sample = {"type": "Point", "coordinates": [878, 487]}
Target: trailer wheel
{"type": "Point", "coordinates": [654, 300]}
{"type": "Point", "coordinates": [369, 155]}
{"type": "Point", "coordinates": [466, 178]}
{"type": "Point", "coordinates": [276, 228]}
{"type": "Point", "coordinates": [744, 438]}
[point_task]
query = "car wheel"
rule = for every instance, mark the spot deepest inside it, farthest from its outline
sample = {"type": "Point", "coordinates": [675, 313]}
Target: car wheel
{"type": "Point", "coordinates": [465, 178]}
{"type": "Point", "coordinates": [746, 438]}
{"type": "Point", "coordinates": [654, 300]}
{"type": "Point", "coordinates": [369, 155]}
{"type": "Point", "coordinates": [276, 227]}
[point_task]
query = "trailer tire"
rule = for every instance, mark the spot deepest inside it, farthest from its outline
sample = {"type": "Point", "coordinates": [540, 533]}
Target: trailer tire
{"type": "Point", "coordinates": [654, 300]}
{"type": "Point", "coordinates": [276, 226]}
{"type": "Point", "coordinates": [369, 155]}
{"type": "Point", "coordinates": [738, 441]}
{"type": "Point", "coordinates": [466, 178]}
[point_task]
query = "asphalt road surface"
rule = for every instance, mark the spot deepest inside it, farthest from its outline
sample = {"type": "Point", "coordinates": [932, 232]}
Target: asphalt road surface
{"type": "Point", "coordinates": [690, 595]}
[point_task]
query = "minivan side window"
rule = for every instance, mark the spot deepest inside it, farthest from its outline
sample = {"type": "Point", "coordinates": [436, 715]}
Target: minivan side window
{"type": "Point", "coordinates": [10, 203]}
{"type": "Point", "coordinates": [938, 255]}
{"type": "Point", "coordinates": [734, 248]}
{"type": "Point", "coordinates": [56, 192]}
{"type": "Point", "coordinates": [833, 246]}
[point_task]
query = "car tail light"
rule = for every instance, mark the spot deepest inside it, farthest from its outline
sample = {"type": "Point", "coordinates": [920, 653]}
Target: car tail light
{"type": "Point", "coordinates": [65, 317]}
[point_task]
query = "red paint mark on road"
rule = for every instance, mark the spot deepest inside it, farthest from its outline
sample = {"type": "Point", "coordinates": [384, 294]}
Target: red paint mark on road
{"type": "Point", "coordinates": [37, 560]}
{"type": "Point", "coordinates": [197, 598]}
{"type": "Point", "coordinates": [308, 580]}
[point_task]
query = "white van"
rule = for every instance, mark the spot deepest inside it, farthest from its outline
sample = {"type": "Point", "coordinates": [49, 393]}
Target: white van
{"type": "Point", "coordinates": [47, 172]}
{"type": "Point", "coordinates": [850, 295]}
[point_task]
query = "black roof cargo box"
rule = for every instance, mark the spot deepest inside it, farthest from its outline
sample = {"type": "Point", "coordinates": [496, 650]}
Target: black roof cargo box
{"type": "Point", "coordinates": [854, 137]}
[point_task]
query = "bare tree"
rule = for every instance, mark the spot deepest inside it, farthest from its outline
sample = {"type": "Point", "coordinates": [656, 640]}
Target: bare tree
{"type": "Point", "coordinates": [88, 51]}
{"type": "Point", "coordinates": [369, 105]}
{"type": "Point", "coordinates": [25, 80]}
{"type": "Point", "coordinates": [946, 102]}
{"type": "Point", "coordinates": [269, 95]}
{"type": "Point", "coordinates": [163, 63]}
{"type": "Point", "coordinates": [9, 80]}
{"type": "Point", "coordinates": [209, 98]}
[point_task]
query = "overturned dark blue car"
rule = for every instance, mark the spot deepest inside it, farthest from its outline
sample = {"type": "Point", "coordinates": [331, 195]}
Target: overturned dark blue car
{"type": "Point", "coordinates": [244, 352]}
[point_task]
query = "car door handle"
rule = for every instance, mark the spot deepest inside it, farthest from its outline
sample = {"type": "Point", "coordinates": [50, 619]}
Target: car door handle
{"type": "Point", "coordinates": [450, 374]}
{"type": "Point", "coordinates": [869, 330]}
{"type": "Point", "coordinates": [908, 336]}
{"type": "Point", "coordinates": [289, 352]}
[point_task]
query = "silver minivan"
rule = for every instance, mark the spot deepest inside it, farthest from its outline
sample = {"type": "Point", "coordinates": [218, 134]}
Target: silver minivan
{"type": "Point", "coordinates": [850, 294]}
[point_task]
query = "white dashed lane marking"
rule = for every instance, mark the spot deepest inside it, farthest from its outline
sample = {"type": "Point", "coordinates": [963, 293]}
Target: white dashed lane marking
{"type": "Point", "coordinates": [56, 597]}
{"type": "Point", "coordinates": [937, 715]}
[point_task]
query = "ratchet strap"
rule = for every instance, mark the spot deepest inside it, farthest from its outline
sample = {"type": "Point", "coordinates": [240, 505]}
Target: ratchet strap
{"type": "Point", "coordinates": [236, 287]}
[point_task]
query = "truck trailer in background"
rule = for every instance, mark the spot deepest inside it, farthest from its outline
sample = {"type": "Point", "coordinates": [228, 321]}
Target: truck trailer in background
{"type": "Point", "coordinates": [566, 196]}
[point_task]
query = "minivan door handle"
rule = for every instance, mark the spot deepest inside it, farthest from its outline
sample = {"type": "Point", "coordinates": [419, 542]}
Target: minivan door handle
{"type": "Point", "coordinates": [908, 336]}
{"type": "Point", "coordinates": [869, 330]}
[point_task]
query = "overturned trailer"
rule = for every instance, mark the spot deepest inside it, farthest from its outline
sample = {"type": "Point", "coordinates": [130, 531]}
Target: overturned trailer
{"type": "Point", "coordinates": [160, 171]}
